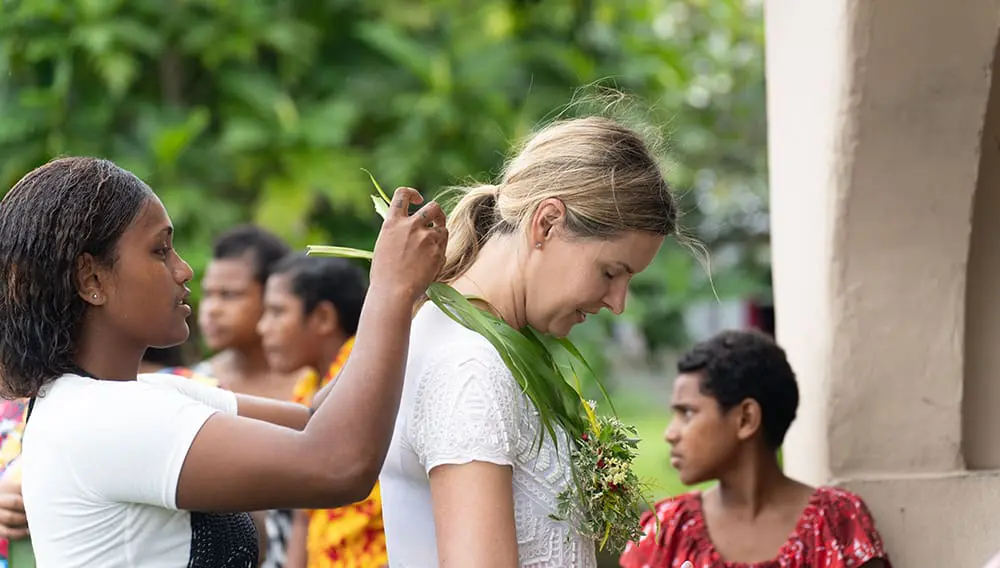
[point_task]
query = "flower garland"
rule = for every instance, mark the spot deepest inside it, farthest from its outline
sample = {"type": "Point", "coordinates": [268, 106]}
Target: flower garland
{"type": "Point", "coordinates": [605, 497]}
{"type": "Point", "coordinates": [307, 386]}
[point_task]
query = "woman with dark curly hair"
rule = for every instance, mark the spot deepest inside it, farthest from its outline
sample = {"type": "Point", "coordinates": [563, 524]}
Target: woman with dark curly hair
{"type": "Point", "coordinates": [734, 399]}
{"type": "Point", "coordinates": [120, 472]}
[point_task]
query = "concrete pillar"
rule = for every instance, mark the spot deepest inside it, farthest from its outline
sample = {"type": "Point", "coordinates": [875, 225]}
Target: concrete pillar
{"type": "Point", "coordinates": [876, 113]}
{"type": "Point", "coordinates": [981, 410]}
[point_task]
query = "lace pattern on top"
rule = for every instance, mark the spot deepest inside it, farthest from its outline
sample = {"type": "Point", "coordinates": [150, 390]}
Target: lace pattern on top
{"type": "Point", "coordinates": [468, 407]}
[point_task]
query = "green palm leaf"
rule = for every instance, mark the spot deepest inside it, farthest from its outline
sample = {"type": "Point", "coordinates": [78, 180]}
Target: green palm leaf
{"type": "Point", "coordinates": [342, 252]}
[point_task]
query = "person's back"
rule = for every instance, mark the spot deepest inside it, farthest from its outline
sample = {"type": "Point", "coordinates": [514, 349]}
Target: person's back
{"type": "Point", "coordinates": [461, 404]}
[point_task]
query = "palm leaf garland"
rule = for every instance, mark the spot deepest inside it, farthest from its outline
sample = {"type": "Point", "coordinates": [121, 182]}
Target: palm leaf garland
{"type": "Point", "coordinates": [605, 496]}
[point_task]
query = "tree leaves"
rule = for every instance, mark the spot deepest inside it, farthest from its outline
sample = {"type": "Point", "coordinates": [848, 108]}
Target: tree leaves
{"type": "Point", "coordinates": [270, 108]}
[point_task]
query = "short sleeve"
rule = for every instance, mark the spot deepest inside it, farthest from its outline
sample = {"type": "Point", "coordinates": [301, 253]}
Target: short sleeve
{"type": "Point", "coordinates": [466, 409]}
{"type": "Point", "coordinates": [135, 442]}
{"type": "Point", "coordinates": [213, 396]}
{"type": "Point", "coordinates": [848, 534]}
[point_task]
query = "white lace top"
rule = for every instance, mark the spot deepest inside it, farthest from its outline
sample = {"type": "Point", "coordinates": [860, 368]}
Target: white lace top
{"type": "Point", "coordinates": [461, 404]}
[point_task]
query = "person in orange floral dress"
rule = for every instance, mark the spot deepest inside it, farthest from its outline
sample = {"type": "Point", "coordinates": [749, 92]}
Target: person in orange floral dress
{"type": "Point", "coordinates": [311, 311]}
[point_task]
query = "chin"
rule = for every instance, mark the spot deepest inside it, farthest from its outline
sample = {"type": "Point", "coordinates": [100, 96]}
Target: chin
{"type": "Point", "coordinates": [175, 337]}
{"type": "Point", "coordinates": [215, 342]}
{"type": "Point", "coordinates": [690, 478]}
{"type": "Point", "coordinates": [560, 328]}
{"type": "Point", "coordinates": [560, 333]}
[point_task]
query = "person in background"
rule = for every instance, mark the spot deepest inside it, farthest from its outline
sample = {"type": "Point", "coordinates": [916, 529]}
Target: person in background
{"type": "Point", "coordinates": [311, 311]}
{"type": "Point", "coordinates": [232, 296]}
{"type": "Point", "coordinates": [231, 305]}
{"type": "Point", "coordinates": [733, 401]}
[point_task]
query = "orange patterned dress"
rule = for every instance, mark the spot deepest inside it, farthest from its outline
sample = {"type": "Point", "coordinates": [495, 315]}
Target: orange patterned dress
{"type": "Point", "coordinates": [351, 536]}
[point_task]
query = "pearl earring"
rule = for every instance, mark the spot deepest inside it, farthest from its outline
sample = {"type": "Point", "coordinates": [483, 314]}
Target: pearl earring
{"type": "Point", "coordinates": [95, 296]}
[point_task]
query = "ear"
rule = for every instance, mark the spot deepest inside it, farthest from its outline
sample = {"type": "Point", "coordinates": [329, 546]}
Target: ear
{"type": "Point", "coordinates": [749, 419]}
{"type": "Point", "coordinates": [548, 218]}
{"type": "Point", "coordinates": [324, 319]}
{"type": "Point", "coordinates": [91, 280]}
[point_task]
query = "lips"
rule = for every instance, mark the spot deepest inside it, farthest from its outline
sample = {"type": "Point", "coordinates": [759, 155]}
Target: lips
{"type": "Point", "coordinates": [182, 301]}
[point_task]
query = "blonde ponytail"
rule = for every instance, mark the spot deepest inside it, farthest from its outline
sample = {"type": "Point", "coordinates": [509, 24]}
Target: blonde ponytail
{"type": "Point", "coordinates": [470, 223]}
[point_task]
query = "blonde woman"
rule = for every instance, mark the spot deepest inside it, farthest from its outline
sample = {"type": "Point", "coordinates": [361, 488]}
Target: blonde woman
{"type": "Point", "coordinates": [576, 214]}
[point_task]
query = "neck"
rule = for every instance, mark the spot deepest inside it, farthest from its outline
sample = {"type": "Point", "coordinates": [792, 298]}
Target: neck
{"type": "Point", "coordinates": [248, 360]}
{"type": "Point", "coordinates": [107, 357]}
{"type": "Point", "coordinates": [752, 483]}
{"type": "Point", "coordinates": [328, 355]}
{"type": "Point", "coordinates": [505, 295]}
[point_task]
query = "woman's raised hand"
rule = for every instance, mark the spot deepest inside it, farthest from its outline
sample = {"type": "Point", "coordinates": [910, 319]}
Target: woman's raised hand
{"type": "Point", "coordinates": [410, 249]}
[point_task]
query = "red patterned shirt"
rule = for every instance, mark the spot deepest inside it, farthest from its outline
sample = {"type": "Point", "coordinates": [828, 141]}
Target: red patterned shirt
{"type": "Point", "coordinates": [835, 531]}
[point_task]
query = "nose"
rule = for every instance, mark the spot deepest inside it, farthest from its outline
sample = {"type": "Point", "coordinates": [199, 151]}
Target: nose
{"type": "Point", "coordinates": [262, 325]}
{"type": "Point", "coordinates": [183, 272]}
{"type": "Point", "coordinates": [615, 299]}
{"type": "Point", "coordinates": [672, 434]}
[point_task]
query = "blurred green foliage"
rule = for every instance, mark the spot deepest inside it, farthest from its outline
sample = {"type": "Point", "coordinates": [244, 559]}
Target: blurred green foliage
{"type": "Point", "coordinates": [266, 111]}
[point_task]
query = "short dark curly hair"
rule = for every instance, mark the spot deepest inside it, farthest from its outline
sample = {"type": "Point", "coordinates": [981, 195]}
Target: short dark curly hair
{"type": "Point", "coordinates": [52, 216]}
{"type": "Point", "coordinates": [265, 249]}
{"type": "Point", "coordinates": [737, 365]}
{"type": "Point", "coordinates": [316, 279]}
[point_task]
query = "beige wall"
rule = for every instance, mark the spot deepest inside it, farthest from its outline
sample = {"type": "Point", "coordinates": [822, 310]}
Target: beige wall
{"type": "Point", "coordinates": [876, 113]}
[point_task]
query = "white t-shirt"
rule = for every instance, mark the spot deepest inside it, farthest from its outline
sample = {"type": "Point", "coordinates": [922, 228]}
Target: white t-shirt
{"type": "Point", "coordinates": [101, 461]}
{"type": "Point", "coordinates": [461, 404]}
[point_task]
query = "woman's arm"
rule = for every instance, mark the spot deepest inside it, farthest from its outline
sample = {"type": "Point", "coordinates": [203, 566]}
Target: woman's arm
{"type": "Point", "coordinates": [287, 414]}
{"type": "Point", "coordinates": [464, 433]}
{"type": "Point", "coordinates": [280, 413]}
{"type": "Point", "coordinates": [241, 464]}
{"type": "Point", "coordinates": [474, 515]}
